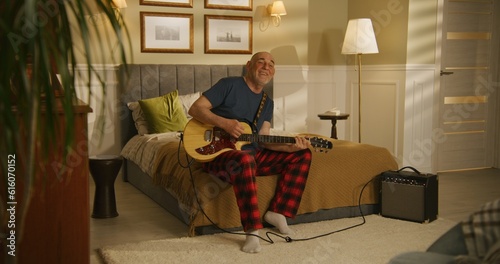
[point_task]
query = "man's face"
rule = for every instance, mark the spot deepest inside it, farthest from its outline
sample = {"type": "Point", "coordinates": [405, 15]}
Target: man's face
{"type": "Point", "coordinates": [261, 68]}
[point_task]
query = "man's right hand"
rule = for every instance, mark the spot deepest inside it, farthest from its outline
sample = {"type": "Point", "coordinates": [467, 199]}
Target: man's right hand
{"type": "Point", "coordinates": [234, 128]}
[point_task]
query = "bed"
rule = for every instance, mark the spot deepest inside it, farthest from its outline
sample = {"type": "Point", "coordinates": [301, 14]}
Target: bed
{"type": "Point", "coordinates": [151, 160]}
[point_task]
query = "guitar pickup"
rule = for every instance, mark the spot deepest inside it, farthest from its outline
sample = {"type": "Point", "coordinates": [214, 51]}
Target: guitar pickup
{"type": "Point", "coordinates": [207, 135]}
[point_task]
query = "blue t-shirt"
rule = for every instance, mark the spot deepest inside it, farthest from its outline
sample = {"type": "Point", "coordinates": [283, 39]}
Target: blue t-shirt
{"type": "Point", "coordinates": [232, 98]}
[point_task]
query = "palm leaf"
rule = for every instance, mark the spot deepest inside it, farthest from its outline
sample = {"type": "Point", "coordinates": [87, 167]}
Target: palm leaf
{"type": "Point", "coordinates": [38, 41]}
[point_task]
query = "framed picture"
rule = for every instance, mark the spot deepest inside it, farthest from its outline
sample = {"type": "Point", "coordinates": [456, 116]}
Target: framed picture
{"type": "Point", "coordinates": [166, 32]}
{"type": "Point", "coordinates": [175, 3]}
{"type": "Point", "coordinates": [228, 34]}
{"type": "Point", "coordinates": [229, 4]}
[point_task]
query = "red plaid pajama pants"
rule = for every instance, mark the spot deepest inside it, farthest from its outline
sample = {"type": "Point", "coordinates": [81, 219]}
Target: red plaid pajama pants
{"type": "Point", "coordinates": [239, 168]}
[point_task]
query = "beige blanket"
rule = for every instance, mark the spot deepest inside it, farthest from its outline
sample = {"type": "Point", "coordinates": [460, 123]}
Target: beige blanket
{"type": "Point", "coordinates": [335, 179]}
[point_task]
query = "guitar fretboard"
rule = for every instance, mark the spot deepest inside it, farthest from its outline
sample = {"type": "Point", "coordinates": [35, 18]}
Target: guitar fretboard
{"type": "Point", "coordinates": [266, 138]}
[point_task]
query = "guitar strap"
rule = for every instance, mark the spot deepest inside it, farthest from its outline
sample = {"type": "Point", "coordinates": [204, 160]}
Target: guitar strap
{"type": "Point", "coordinates": [261, 106]}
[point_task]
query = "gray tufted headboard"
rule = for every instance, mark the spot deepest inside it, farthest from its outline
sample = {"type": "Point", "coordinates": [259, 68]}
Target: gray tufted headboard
{"type": "Point", "coordinates": [142, 81]}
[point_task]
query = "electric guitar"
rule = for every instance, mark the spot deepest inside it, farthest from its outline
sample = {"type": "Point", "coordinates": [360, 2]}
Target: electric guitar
{"type": "Point", "coordinates": [205, 142]}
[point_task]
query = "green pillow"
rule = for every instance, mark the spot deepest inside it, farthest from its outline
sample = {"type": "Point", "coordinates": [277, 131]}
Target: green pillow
{"type": "Point", "coordinates": [164, 113]}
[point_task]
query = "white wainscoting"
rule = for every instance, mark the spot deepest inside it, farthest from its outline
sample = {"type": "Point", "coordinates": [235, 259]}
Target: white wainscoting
{"type": "Point", "coordinates": [382, 106]}
{"type": "Point", "coordinates": [397, 107]}
{"type": "Point", "coordinates": [379, 113]}
{"type": "Point", "coordinates": [420, 129]}
{"type": "Point", "coordinates": [303, 92]}
{"type": "Point", "coordinates": [103, 122]}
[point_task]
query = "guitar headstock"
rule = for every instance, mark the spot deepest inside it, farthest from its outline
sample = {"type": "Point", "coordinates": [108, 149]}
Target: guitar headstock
{"type": "Point", "coordinates": [321, 144]}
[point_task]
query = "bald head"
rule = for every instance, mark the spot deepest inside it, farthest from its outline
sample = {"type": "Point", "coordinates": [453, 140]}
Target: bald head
{"type": "Point", "coordinates": [260, 70]}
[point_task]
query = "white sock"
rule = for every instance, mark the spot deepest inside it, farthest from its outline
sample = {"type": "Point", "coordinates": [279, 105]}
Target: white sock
{"type": "Point", "coordinates": [252, 243]}
{"type": "Point", "coordinates": [279, 221]}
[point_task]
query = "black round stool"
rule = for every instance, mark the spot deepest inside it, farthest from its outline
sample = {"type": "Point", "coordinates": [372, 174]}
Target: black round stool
{"type": "Point", "coordinates": [104, 169]}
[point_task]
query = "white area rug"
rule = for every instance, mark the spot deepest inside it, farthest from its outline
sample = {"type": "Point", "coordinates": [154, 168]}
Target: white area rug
{"type": "Point", "coordinates": [377, 241]}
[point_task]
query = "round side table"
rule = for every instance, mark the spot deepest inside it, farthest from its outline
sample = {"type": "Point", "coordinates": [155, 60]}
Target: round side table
{"type": "Point", "coordinates": [334, 118]}
{"type": "Point", "coordinates": [104, 169]}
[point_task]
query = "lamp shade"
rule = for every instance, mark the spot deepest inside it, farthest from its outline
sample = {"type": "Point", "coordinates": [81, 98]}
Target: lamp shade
{"type": "Point", "coordinates": [119, 3]}
{"type": "Point", "coordinates": [359, 37]}
{"type": "Point", "coordinates": [278, 9]}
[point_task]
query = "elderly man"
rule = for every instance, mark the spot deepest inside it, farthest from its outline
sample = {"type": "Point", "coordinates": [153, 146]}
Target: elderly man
{"type": "Point", "coordinates": [225, 105]}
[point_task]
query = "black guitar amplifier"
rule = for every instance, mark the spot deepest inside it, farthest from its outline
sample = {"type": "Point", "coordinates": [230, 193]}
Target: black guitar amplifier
{"type": "Point", "coordinates": [409, 195]}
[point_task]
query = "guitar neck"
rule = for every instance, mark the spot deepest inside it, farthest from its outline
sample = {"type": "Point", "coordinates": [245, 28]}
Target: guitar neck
{"type": "Point", "coordinates": [266, 138]}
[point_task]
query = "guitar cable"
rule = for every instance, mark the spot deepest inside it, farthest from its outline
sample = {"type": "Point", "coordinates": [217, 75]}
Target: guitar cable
{"type": "Point", "coordinates": [288, 239]}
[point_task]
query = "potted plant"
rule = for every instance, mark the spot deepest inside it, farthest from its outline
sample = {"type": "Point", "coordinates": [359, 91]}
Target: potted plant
{"type": "Point", "coordinates": [43, 44]}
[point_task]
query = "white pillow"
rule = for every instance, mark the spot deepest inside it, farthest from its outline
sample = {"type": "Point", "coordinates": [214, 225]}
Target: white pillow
{"type": "Point", "coordinates": [187, 101]}
{"type": "Point", "coordinates": [138, 116]}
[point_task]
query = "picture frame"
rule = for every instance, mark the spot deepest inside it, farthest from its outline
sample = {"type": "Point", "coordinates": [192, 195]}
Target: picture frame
{"type": "Point", "coordinates": [230, 4]}
{"type": "Point", "coordinates": [173, 3]}
{"type": "Point", "coordinates": [228, 34]}
{"type": "Point", "coordinates": [166, 32]}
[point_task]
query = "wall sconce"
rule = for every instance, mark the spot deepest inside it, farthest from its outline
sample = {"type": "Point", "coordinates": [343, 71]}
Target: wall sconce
{"type": "Point", "coordinates": [119, 4]}
{"type": "Point", "coordinates": [97, 17]}
{"type": "Point", "coordinates": [359, 39]}
{"type": "Point", "coordinates": [276, 10]}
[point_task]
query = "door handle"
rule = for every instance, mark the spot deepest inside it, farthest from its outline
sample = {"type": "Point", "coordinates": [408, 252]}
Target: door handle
{"type": "Point", "coordinates": [445, 73]}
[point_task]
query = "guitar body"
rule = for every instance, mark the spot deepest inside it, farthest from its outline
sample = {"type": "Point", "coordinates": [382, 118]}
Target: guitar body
{"type": "Point", "coordinates": [205, 142]}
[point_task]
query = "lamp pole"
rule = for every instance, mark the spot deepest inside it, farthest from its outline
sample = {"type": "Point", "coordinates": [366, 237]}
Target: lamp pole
{"type": "Point", "coordinates": [359, 97]}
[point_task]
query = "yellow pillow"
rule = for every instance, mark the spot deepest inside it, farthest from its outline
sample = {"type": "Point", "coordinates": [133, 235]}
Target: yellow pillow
{"type": "Point", "coordinates": [164, 113]}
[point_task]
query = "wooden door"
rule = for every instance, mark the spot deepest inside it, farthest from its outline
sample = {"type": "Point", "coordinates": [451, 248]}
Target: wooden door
{"type": "Point", "coordinates": [467, 92]}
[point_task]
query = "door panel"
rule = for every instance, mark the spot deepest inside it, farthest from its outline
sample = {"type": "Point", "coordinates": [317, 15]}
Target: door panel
{"type": "Point", "coordinates": [465, 111]}
{"type": "Point", "coordinates": [462, 81]}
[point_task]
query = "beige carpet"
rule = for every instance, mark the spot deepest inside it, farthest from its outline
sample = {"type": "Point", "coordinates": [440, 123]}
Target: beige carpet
{"type": "Point", "coordinates": [378, 240]}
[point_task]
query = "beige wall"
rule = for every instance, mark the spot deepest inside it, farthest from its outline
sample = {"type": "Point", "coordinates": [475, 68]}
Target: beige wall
{"type": "Point", "coordinates": [405, 29]}
{"type": "Point", "coordinates": [390, 22]}
{"type": "Point", "coordinates": [422, 26]}
{"type": "Point", "coordinates": [289, 42]}
{"type": "Point", "coordinates": [327, 23]}
{"type": "Point", "coordinates": [310, 34]}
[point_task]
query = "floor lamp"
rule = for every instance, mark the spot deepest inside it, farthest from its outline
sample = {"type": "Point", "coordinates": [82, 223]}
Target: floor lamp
{"type": "Point", "coordinates": [359, 39]}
